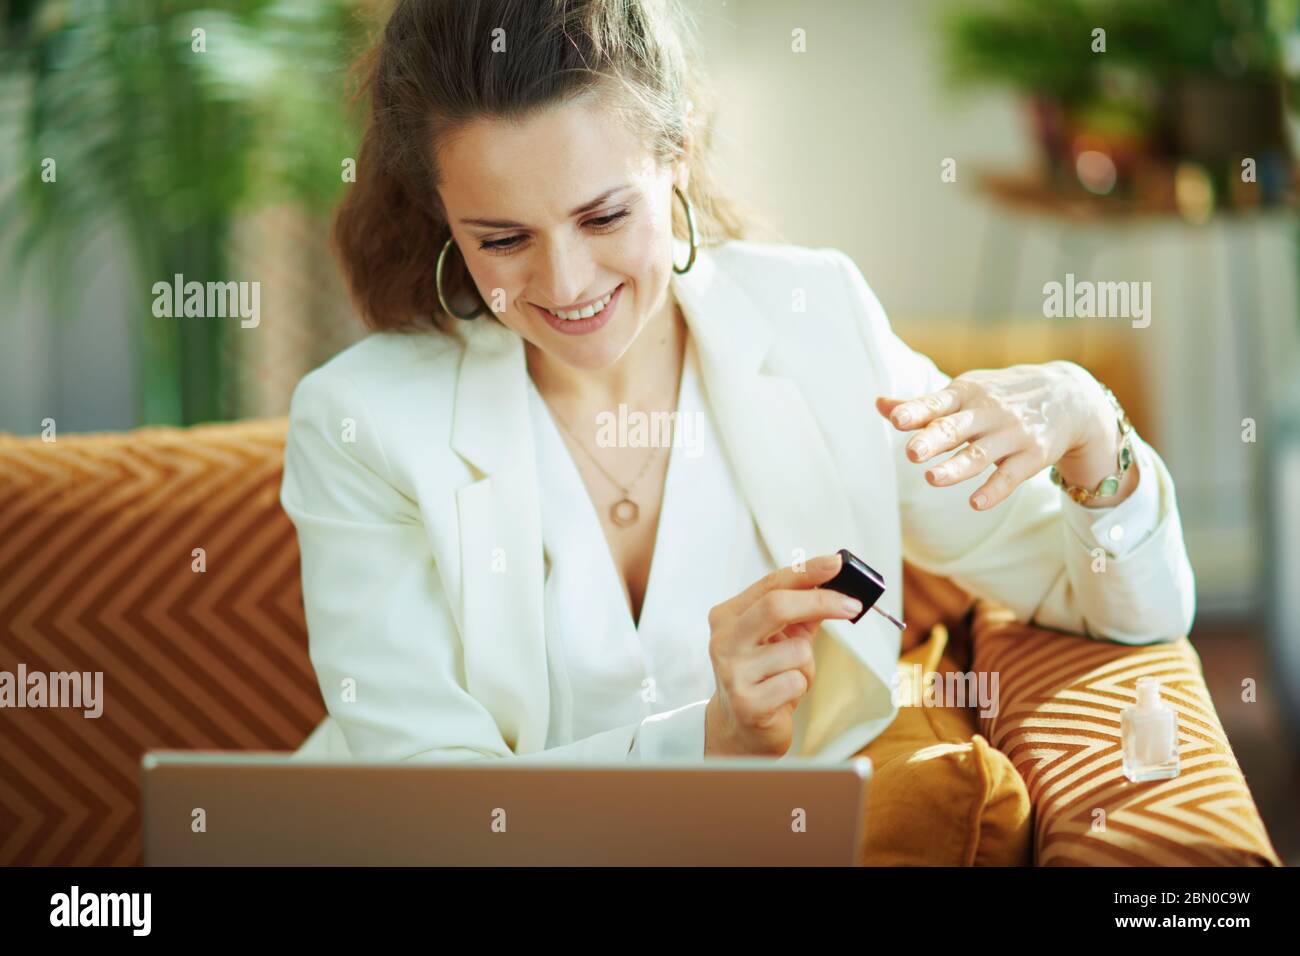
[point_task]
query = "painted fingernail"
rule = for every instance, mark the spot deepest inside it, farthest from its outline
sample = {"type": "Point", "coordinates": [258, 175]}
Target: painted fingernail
{"type": "Point", "coordinates": [939, 474]}
{"type": "Point", "coordinates": [852, 605]}
{"type": "Point", "coordinates": [920, 448]}
{"type": "Point", "coordinates": [902, 416]}
{"type": "Point", "coordinates": [980, 501]}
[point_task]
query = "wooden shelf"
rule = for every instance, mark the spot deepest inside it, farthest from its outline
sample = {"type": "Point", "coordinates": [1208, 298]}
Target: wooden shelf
{"type": "Point", "coordinates": [1034, 193]}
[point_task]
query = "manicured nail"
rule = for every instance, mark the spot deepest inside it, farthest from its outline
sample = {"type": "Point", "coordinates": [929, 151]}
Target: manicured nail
{"type": "Point", "coordinates": [980, 501]}
{"type": "Point", "coordinates": [852, 605]}
{"type": "Point", "coordinates": [902, 416]}
{"type": "Point", "coordinates": [919, 449]}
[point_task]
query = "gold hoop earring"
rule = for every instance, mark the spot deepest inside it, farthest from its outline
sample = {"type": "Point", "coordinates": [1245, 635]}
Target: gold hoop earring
{"type": "Point", "coordinates": [437, 281]}
{"type": "Point", "coordinates": [690, 225]}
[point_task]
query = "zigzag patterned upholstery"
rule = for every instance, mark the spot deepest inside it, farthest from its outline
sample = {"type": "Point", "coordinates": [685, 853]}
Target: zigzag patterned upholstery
{"type": "Point", "coordinates": [97, 539]}
{"type": "Point", "coordinates": [1059, 722]}
{"type": "Point", "coordinates": [99, 572]}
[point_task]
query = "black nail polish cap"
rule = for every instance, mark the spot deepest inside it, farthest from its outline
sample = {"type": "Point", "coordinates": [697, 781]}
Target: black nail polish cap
{"type": "Point", "coordinates": [857, 579]}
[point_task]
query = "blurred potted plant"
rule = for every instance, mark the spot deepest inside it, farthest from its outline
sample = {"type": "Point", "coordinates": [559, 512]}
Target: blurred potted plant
{"type": "Point", "coordinates": [168, 135]}
{"type": "Point", "coordinates": [1199, 81]}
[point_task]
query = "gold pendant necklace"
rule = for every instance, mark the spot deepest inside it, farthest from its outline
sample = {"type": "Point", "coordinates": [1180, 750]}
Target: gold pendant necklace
{"type": "Point", "coordinates": [625, 511]}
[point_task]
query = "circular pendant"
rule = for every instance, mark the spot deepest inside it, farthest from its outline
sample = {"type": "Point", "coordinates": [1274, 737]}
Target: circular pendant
{"type": "Point", "coordinates": [624, 512]}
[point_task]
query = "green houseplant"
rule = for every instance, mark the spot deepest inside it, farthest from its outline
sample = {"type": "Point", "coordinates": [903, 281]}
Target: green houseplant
{"type": "Point", "coordinates": [165, 120]}
{"type": "Point", "coordinates": [1198, 80]}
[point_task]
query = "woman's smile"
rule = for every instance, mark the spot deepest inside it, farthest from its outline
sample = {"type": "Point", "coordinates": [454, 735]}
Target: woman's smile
{"type": "Point", "coordinates": [587, 319]}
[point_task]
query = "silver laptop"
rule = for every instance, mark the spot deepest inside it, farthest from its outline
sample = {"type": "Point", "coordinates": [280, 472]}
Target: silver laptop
{"type": "Point", "coordinates": [261, 809]}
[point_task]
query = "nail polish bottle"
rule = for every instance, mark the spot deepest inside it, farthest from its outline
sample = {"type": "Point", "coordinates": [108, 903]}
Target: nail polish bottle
{"type": "Point", "coordinates": [860, 580]}
{"type": "Point", "coordinates": [1149, 735]}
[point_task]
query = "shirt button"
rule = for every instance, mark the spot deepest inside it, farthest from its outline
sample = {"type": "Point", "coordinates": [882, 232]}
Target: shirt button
{"type": "Point", "coordinates": [1117, 533]}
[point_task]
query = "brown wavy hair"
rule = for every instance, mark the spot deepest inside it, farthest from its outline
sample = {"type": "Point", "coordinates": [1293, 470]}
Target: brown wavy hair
{"type": "Point", "coordinates": [433, 69]}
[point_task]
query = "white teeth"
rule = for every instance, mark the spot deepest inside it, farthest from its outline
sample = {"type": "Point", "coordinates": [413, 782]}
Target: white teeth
{"type": "Point", "coordinates": [586, 313]}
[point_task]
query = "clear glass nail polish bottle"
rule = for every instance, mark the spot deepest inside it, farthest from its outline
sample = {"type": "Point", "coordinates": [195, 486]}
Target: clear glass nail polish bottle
{"type": "Point", "coordinates": [1149, 735]}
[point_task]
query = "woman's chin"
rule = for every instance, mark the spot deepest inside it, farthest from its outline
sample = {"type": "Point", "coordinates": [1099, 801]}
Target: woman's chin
{"type": "Point", "coordinates": [590, 357]}
{"type": "Point", "coordinates": [589, 353]}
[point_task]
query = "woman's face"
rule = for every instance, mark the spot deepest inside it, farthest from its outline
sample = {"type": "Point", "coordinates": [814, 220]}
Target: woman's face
{"type": "Point", "coordinates": [561, 212]}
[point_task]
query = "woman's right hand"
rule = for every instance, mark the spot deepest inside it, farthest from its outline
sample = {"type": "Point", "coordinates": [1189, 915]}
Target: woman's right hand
{"type": "Point", "coordinates": [761, 649]}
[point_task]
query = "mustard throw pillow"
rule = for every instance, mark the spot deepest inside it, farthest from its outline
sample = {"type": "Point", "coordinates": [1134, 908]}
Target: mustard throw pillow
{"type": "Point", "coordinates": [940, 795]}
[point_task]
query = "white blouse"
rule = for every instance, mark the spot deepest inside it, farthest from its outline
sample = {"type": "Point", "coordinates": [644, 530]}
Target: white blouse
{"type": "Point", "coordinates": [604, 670]}
{"type": "Point", "coordinates": [607, 672]}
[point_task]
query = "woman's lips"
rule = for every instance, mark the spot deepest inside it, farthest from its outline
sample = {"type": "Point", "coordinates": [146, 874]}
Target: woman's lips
{"type": "Point", "coordinates": [582, 326]}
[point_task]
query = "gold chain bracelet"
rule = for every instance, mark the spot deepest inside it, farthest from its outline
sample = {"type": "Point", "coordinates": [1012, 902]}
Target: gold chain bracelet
{"type": "Point", "coordinates": [1108, 487]}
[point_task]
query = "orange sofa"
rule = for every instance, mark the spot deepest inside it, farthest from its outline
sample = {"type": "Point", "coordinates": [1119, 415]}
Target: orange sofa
{"type": "Point", "coordinates": [161, 558]}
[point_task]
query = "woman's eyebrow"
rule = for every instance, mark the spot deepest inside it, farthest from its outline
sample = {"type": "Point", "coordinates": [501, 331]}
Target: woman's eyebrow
{"type": "Point", "coordinates": [585, 207]}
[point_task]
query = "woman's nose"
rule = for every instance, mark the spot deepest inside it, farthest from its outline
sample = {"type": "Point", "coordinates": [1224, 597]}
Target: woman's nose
{"type": "Point", "coordinates": [564, 275]}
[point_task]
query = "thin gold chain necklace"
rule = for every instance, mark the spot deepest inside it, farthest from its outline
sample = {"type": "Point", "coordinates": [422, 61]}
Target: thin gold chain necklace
{"type": "Point", "coordinates": [625, 511]}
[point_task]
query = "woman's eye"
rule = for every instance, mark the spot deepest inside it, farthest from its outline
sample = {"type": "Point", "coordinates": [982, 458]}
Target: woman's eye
{"type": "Point", "coordinates": [603, 221]}
{"type": "Point", "coordinates": [600, 223]}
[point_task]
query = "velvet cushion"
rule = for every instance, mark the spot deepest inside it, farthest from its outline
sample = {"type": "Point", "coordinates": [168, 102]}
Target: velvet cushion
{"type": "Point", "coordinates": [940, 795]}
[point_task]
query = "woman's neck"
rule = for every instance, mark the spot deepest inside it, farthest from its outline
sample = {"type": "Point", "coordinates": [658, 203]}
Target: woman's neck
{"type": "Point", "coordinates": [641, 378]}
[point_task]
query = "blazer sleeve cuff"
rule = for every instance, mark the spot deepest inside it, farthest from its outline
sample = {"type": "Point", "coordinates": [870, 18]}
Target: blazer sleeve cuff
{"type": "Point", "coordinates": [672, 735]}
{"type": "Point", "coordinates": [1119, 529]}
{"type": "Point", "coordinates": [1143, 596]}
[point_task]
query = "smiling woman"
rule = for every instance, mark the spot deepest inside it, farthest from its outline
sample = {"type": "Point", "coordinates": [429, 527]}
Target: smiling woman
{"type": "Point", "coordinates": [639, 107]}
{"type": "Point", "coordinates": [484, 576]}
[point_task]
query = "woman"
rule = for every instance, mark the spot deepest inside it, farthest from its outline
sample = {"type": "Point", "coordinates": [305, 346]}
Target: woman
{"type": "Point", "coordinates": [497, 564]}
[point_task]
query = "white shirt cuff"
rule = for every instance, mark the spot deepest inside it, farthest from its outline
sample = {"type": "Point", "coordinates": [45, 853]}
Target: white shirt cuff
{"type": "Point", "coordinates": [1118, 529]}
{"type": "Point", "coordinates": [672, 735]}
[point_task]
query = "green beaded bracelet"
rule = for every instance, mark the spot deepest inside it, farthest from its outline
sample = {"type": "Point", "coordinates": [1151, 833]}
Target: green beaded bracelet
{"type": "Point", "coordinates": [1108, 487]}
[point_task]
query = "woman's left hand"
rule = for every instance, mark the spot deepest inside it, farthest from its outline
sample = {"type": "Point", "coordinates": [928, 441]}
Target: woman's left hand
{"type": "Point", "coordinates": [1023, 418]}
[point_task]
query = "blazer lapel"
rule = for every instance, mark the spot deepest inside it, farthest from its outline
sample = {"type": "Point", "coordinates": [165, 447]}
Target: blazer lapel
{"type": "Point", "coordinates": [502, 575]}
{"type": "Point", "coordinates": [792, 485]}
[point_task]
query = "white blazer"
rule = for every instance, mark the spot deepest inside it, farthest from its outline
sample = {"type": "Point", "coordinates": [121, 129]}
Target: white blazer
{"type": "Point", "coordinates": [410, 477]}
